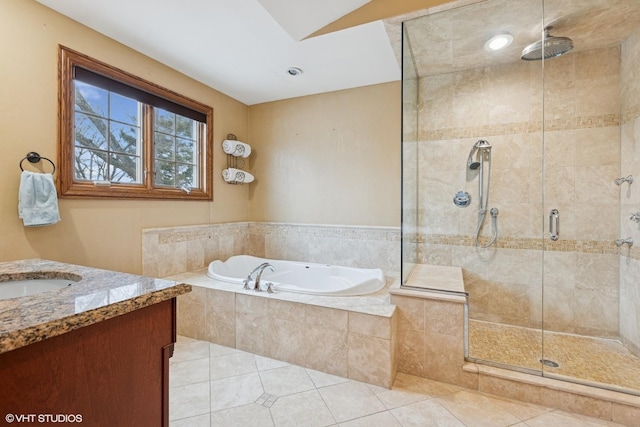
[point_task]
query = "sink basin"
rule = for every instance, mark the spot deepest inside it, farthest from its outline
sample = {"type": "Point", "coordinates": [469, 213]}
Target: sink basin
{"type": "Point", "coordinates": [21, 288]}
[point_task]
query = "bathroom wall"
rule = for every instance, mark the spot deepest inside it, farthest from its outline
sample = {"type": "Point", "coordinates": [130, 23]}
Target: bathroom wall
{"type": "Point", "coordinates": [99, 233]}
{"type": "Point", "coordinates": [504, 104]}
{"type": "Point", "coordinates": [630, 194]}
{"type": "Point", "coordinates": [332, 158]}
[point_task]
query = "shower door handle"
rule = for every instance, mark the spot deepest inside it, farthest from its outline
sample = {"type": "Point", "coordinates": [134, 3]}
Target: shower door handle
{"type": "Point", "coordinates": [554, 217]}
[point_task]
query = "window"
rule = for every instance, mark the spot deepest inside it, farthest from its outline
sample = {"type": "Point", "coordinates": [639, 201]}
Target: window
{"type": "Point", "coordinates": [121, 136]}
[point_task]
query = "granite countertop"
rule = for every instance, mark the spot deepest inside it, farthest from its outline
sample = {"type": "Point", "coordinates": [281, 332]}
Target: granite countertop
{"type": "Point", "coordinates": [99, 295]}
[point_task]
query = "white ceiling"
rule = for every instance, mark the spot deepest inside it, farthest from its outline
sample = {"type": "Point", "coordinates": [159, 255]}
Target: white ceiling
{"type": "Point", "coordinates": [240, 49]}
{"type": "Point", "coordinates": [300, 18]}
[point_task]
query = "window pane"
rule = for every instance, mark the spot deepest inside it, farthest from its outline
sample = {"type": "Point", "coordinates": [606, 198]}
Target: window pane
{"type": "Point", "coordinates": [123, 168]}
{"type": "Point", "coordinates": [186, 176]}
{"type": "Point", "coordinates": [165, 173]}
{"type": "Point", "coordinates": [185, 150]}
{"type": "Point", "coordinates": [91, 99]}
{"type": "Point", "coordinates": [124, 138]}
{"type": "Point", "coordinates": [90, 165]}
{"type": "Point", "coordinates": [165, 147]}
{"type": "Point", "coordinates": [185, 127]}
{"type": "Point", "coordinates": [123, 109]}
{"type": "Point", "coordinates": [164, 121]}
{"type": "Point", "coordinates": [90, 131]}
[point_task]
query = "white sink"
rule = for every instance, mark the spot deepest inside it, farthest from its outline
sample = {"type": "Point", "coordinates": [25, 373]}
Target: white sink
{"type": "Point", "coordinates": [21, 288]}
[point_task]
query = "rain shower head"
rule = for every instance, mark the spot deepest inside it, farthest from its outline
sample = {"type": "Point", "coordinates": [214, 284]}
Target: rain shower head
{"type": "Point", "coordinates": [481, 145]}
{"type": "Point", "coordinates": [553, 46]}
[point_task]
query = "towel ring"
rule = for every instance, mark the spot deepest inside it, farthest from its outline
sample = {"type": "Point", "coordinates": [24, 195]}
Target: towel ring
{"type": "Point", "coordinates": [34, 157]}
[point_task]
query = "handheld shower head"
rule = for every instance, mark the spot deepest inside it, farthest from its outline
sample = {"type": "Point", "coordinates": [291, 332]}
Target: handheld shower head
{"type": "Point", "coordinates": [478, 148]}
{"type": "Point", "coordinates": [473, 165]}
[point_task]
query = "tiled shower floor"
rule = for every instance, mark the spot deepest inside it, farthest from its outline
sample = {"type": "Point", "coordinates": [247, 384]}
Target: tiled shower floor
{"type": "Point", "coordinates": [591, 360]}
{"type": "Point", "coordinates": [212, 385]}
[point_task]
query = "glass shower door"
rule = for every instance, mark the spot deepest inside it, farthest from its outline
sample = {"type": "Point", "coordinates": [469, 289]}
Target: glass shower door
{"type": "Point", "coordinates": [590, 97]}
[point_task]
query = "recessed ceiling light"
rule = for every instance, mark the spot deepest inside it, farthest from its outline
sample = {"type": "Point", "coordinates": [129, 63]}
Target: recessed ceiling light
{"type": "Point", "coordinates": [497, 42]}
{"type": "Point", "coordinates": [294, 71]}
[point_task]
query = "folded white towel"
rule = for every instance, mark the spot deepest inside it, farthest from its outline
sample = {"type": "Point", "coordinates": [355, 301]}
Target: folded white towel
{"type": "Point", "coordinates": [237, 175]}
{"type": "Point", "coordinates": [236, 148]}
{"type": "Point", "coordinates": [37, 199]}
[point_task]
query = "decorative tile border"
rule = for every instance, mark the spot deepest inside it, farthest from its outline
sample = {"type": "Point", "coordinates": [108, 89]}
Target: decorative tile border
{"type": "Point", "coordinates": [580, 246]}
{"type": "Point", "coordinates": [631, 114]}
{"type": "Point", "coordinates": [582, 122]}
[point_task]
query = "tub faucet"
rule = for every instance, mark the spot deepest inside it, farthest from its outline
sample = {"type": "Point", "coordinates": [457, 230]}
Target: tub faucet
{"type": "Point", "coordinates": [257, 286]}
{"type": "Point", "coordinates": [259, 269]}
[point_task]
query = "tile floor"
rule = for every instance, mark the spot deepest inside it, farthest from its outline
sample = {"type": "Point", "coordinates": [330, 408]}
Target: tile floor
{"type": "Point", "coordinates": [211, 385]}
{"type": "Point", "coordinates": [587, 359]}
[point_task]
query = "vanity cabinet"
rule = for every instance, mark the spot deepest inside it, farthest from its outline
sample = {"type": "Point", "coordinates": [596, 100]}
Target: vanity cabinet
{"type": "Point", "coordinates": [114, 372]}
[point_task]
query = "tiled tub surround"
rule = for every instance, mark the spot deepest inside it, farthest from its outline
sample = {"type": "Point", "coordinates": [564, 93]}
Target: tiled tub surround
{"type": "Point", "coordinates": [353, 337]}
{"type": "Point", "coordinates": [175, 250]}
{"type": "Point", "coordinates": [431, 345]}
{"type": "Point", "coordinates": [98, 296]}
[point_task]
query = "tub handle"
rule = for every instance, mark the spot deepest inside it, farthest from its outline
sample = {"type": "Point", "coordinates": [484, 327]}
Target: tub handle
{"type": "Point", "coordinates": [554, 214]}
{"type": "Point", "coordinates": [269, 287]}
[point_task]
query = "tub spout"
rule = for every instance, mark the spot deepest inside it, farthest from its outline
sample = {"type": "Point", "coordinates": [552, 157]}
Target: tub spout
{"type": "Point", "coordinates": [259, 270]}
{"type": "Point", "coordinates": [259, 276]}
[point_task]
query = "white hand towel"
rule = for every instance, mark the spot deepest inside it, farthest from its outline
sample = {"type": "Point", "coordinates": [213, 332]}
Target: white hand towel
{"type": "Point", "coordinates": [37, 199]}
{"type": "Point", "coordinates": [236, 148]}
{"type": "Point", "coordinates": [237, 175]}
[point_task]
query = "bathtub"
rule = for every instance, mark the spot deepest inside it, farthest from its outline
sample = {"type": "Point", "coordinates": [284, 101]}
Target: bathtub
{"type": "Point", "coordinates": [301, 277]}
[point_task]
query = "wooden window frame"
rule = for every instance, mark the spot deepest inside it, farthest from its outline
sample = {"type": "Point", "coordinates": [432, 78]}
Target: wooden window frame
{"type": "Point", "coordinates": [68, 188]}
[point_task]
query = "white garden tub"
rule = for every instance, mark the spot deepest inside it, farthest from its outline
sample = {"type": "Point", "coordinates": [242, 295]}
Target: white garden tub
{"type": "Point", "coordinates": [300, 277]}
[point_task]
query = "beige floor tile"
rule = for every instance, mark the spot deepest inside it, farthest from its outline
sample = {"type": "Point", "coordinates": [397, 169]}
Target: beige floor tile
{"type": "Point", "coordinates": [301, 409]}
{"type": "Point", "coordinates": [220, 350]}
{"type": "Point", "coordinates": [230, 365]}
{"type": "Point", "coordinates": [396, 398]}
{"type": "Point", "coordinates": [293, 395]}
{"type": "Point", "coordinates": [265, 363]}
{"type": "Point", "coordinates": [189, 400]}
{"type": "Point", "coordinates": [350, 400]}
{"type": "Point", "coordinates": [409, 389]}
{"type": "Point", "coordinates": [189, 372]}
{"type": "Point", "coordinates": [426, 413]}
{"type": "Point", "coordinates": [322, 379]}
{"type": "Point", "coordinates": [381, 419]}
{"type": "Point", "coordinates": [566, 419]}
{"type": "Point", "coordinates": [197, 421]}
{"type": "Point", "coordinates": [189, 349]}
{"type": "Point", "coordinates": [235, 391]}
{"type": "Point", "coordinates": [477, 410]}
{"type": "Point", "coordinates": [250, 415]}
{"type": "Point", "coordinates": [285, 381]}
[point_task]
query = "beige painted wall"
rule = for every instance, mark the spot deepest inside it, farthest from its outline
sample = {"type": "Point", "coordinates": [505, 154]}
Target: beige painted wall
{"type": "Point", "coordinates": [332, 158]}
{"type": "Point", "coordinates": [99, 233]}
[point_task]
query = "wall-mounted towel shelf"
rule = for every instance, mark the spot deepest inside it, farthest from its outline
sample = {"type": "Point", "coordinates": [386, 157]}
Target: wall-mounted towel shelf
{"type": "Point", "coordinates": [34, 157]}
{"type": "Point", "coordinates": [236, 153]}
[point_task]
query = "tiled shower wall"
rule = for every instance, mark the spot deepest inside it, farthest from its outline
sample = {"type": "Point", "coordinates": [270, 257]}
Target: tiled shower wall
{"type": "Point", "coordinates": [175, 250]}
{"type": "Point", "coordinates": [630, 195]}
{"type": "Point", "coordinates": [504, 105]}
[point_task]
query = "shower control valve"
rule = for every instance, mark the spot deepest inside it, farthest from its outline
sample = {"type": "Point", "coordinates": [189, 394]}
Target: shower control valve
{"type": "Point", "coordinates": [462, 199]}
{"type": "Point", "coordinates": [635, 217]}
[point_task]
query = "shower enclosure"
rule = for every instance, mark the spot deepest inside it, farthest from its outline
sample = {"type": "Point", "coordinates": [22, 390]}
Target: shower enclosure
{"type": "Point", "coordinates": [558, 292]}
